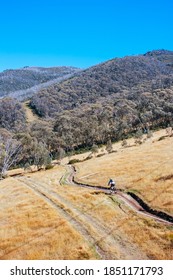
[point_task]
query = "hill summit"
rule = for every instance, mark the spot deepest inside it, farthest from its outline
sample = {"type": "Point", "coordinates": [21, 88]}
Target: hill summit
{"type": "Point", "coordinates": [119, 78]}
{"type": "Point", "coordinates": [107, 102]}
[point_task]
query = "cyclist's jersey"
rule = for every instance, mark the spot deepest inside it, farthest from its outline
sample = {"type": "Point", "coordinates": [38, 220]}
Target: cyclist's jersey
{"type": "Point", "coordinates": [111, 183]}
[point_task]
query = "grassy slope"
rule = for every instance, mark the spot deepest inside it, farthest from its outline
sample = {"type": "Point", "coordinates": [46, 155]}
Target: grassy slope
{"type": "Point", "coordinates": [32, 229]}
{"type": "Point", "coordinates": [139, 168]}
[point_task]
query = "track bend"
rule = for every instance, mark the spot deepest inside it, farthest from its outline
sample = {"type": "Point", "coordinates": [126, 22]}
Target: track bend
{"type": "Point", "coordinates": [93, 231]}
{"type": "Point", "coordinates": [133, 201]}
{"type": "Point", "coordinates": [99, 238]}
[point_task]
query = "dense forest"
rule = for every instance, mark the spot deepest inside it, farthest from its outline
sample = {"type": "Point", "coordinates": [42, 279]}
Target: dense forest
{"type": "Point", "coordinates": [107, 102]}
{"type": "Point", "coordinates": [18, 82]}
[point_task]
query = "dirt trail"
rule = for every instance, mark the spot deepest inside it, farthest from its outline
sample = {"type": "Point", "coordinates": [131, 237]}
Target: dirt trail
{"type": "Point", "coordinates": [136, 204]}
{"type": "Point", "coordinates": [41, 191]}
{"type": "Point", "coordinates": [106, 245]}
{"type": "Point", "coordinates": [30, 116]}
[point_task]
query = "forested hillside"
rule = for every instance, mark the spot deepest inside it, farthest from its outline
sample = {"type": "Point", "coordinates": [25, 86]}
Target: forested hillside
{"type": "Point", "coordinates": [110, 100]}
{"type": "Point", "coordinates": [107, 102]}
{"type": "Point", "coordinates": [119, 78]}
{"type": "Point", "coordinates": [17, 82]}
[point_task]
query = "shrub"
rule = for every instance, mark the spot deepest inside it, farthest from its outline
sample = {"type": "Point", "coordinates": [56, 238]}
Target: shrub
{"type": "Point", "coordinates": [49, 166]}
{"type": "Point", "coordinates": [109, 147]}
{"type": "Point", "coordinates": [161, 138]}
{"type": "Point", "coordinates": [138, 141]}
{"type": "Point", "coordinates": [149, 134]}
{"type": "Point", "coordinates": [88, 157]}
{"type": "Point", "coordinates": [94, 149]}
{"type": "Point", "coordinates": [72, 161]}
{"type": "Point", "coordinates": [124, 143]}
{"type": "Point", "coordinates": [100, 155]}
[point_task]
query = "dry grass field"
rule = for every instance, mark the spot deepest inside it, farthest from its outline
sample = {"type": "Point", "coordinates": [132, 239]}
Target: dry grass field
{"type": "Point", "coordinates": [30, 228]}
{"type": "Point", "coordinates": [146, 169]}
{"type": "Point", "coordinates": [41, 218]}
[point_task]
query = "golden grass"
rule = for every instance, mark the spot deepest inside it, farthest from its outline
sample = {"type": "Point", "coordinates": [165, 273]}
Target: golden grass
{"type": "Point", "coordinates": [149, 237]}
{"type": "Point", "coordinates": [30, 228]}
{"type": "Point", "coordinates": [146, 169]}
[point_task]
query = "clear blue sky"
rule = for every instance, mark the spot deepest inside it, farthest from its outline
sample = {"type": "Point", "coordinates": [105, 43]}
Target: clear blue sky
{"type": "Point", "coordinates": [81, 32]}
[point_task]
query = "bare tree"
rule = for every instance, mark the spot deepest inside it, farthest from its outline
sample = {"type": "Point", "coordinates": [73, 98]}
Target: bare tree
{"type": "Point", "coordinates": [9, 154]}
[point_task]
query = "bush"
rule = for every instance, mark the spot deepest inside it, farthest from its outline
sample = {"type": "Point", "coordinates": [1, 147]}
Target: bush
{"type": "Point", "coordinates": [149, 134]}
{"type": "Point", "coordinates": [94, 149]}
{"type": "Point", "coordinates": [100, 155]}
{"type": "Point", "coordinates": [138, 142]}
{"type": "Point", "coordinates": [161, 138]}
{"type": "Point", "coordinates": [88, 157]}
{"type": "Point", "coordinates": [109, 147]}
{"type": "Point", "coordinates": [49, 166]}
{"type": "Point", "coordinates": [72, 161]}
{"type": "Point", "coordinates": [124, 143]}
{"type": "Point", "coordinates": [27, 167]}
{"type": "Point", "coordinates": [114, 151]}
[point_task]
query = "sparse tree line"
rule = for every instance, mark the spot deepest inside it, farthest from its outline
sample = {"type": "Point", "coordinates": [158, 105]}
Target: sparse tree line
{"type": "Point", "coordinates": [106, 103]}
{"type": "Point", "coordinates": [24, 144]}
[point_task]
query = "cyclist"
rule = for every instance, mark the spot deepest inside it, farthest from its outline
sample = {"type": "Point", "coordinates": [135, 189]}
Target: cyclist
{"type": "Point", "coordinates": [111, 183]}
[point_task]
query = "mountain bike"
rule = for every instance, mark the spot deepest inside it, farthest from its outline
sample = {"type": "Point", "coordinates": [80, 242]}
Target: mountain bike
{"type": "Point", "coordinates": [112, 189]}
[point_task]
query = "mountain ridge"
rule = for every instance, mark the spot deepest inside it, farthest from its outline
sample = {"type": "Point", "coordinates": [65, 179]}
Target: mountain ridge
{"type": "Point", "coordinates": [14, 80]}
{"type": "Point", "coordinates": [111, 78]}
{"type": "Point", "coordinates": [111, 101]}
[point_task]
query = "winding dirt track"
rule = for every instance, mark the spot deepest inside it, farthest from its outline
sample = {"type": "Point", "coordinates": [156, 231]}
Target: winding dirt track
{"type": "Point", "coordinates": [100, 238]}
{"type": "Point", "coordinates": [133, 203]}
{"type": "Point", "coordinates": [105, 244]}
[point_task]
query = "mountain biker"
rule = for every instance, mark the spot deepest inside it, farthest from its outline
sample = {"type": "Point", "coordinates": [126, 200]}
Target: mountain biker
{"type": "Point", "coordinates": [111, 183]}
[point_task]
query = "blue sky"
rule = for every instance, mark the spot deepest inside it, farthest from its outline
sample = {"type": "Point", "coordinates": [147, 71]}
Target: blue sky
{"type": "Point", "coordinates": [81, 33]}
